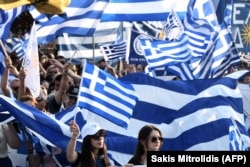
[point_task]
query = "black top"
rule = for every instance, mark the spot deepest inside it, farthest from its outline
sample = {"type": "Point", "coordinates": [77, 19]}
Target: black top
{"type": "Point", "coordinates": [99, 161]}
{"type": "Point", "coordinates": [52, 105]}
{"type": "Point", "coordinates": [135, 161]}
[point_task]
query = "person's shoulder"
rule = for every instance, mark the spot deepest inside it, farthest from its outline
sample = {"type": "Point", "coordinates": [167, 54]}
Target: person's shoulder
{"type": "Point", "coordinates": [77, 162]}
{"type": "Point", "coordinates": [133, 160]}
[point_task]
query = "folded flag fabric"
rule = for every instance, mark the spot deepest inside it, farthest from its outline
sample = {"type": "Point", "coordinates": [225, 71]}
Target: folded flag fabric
{"type": "Point", "coordinates": [106, 96]}
{"type": "Point", "coordinates": [79, 18]}
{"type": "Point", "coordinates": [49, 130]}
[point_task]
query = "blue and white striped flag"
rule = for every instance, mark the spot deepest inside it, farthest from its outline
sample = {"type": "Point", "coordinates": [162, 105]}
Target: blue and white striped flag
{"type": "Point", "coordinates": [160, 53]}
{"type": "Point", "coordinates": [143, 10]}
{"type": "Point", "coordinates": [17, 45]}
{"type": "Point", "coordinates": [114, 51]}
{"type": "Point", "coordinates": [6, 19]}
{"type": "Point", "coordinates": [77, 47]}
{"type": "Point", "coordinates": [236, 141]}
{"type": "Point", "coordinates": [200, 26]}
{"type": "Point", "coordinates": [2, 64]}
{"type": "Point", "coordinates": [173, 27]}
{"type": "Point", "coordinates": [211, 43]}
{"type": "Point", "coordinates": [49, 130]}
{"type": "Point", "coordinates": [193, 115]}
{"type": "Point", "coordinates": [106, 96]}
{"type": "Point", "coordinates": [79, 18]}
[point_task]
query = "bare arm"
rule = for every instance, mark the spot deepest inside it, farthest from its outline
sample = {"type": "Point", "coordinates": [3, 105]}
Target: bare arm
{"type": "Point", "coordinates": [11, 136]}
{"type": "Point", "coordinates": [71, 154]}
{"type": "Point", "coordinates": [63, 85]}
{"type": "Point", "coordinates": [22, 89]}
{"type": "Point", "coordinates": [4, 81]}
{"type": "Point", "coordinates": [75, 77]}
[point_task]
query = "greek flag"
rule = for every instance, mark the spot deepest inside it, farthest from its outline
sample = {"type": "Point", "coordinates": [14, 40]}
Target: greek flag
{"type": "Point", "coordinates": [114, 51]}
{"type": "Point", "coordinates": [48, 129]}
{"type": "Point", "coordinates": [236, 141]}
{"type": "Point", "coordinates": [6, 19]}
{"type": "Point", "coordinates": [198, 118]}
{"type": "Point", "coordinates": [213, 48]}
{"type": "Point", "coordinates": [17, 45]}
{"type": "Point", "coordinates": [143, 10]}
{"type": "Point", "coordinates": [173, 27]}
{"type": "Point", "coordinates": [79, 18]}
{"type": "Point", "coordinates": [160, 53]}
{"type": "Point", "coordinates": [200, 26]}
{"type": "Point", "coordinates": [106, 96]}
{"type": "Point", "coordinates": [76, 47]}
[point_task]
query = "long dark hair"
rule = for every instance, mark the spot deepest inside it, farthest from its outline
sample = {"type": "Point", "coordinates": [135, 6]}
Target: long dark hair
{"type": "Point", "coordinates": [87, 157]}
{"type": "Point", "coordinates": [143, 136]}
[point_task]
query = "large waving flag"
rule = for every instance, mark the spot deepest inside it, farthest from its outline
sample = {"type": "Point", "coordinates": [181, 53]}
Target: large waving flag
{"type": "Point", "coordinates": [79, 18]}
{"type": "Point", "coordinates": [106, 96]}
{"type": "Point", "coordinates": [193, 115]}
{"type": "Point", "coordinates": [7, 17]}
{"type": "Point", "coordinates": [49, 130]}
{"type": "Point", "coordinates": [198, 118]}
{"type": "Point", "coordinates": [143, 10]}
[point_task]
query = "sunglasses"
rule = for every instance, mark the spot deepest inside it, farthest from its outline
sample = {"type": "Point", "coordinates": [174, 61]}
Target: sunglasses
{"type": "Point", "coordinates": [154, 139]}
{"type": "Point", "coordinates": [53, 72]}
{"type": "Point", "coordinates": [98, 136]}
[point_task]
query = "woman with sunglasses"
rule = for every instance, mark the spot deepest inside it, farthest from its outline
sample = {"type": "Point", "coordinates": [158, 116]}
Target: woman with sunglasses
{"type": "Point", "coordinates": [149, 139]}
{"type": "Point", "coordinates": [93, 152]}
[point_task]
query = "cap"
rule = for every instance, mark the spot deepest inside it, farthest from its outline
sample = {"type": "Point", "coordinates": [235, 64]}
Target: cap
{"type": "Point", "coordinates": [90, 128]}
{"type": "Point", "coordinates": [73, 90]}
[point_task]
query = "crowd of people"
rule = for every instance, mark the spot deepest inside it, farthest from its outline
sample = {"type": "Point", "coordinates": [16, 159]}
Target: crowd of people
{"type": "Point", "coordinates": [59, 87]}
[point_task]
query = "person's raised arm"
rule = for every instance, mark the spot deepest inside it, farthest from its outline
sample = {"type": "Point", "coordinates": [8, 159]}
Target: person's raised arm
{"type": "Point", "coordinates": [63, 85]}
{"type": "Point", "coordinates": [22, 88]}
{"type": "Point", "coordinates": [71, 153]}
{"type": "Point", "coordinates": [11, 136]}
{"type": "Point", "coordinates": [4, 81]}
{"type": "Point", "coordinates": [76, 78]}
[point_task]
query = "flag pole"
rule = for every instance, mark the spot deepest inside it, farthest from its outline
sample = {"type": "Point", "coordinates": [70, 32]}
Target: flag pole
{"type": "Point", "coordinates": [4, 50]}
